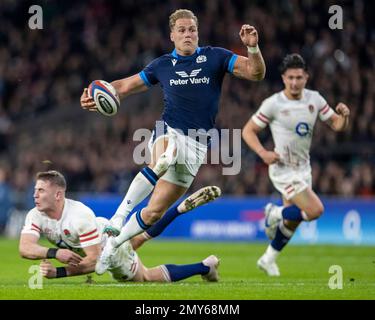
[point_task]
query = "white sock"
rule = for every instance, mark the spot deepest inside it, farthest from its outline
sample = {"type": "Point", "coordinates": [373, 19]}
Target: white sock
{"type": "Point", "coordinates": [271, 254]}
{"type": "Point", "coordinates": [128, 231]}
{"type": "Point", "coordinates": [139, 189]}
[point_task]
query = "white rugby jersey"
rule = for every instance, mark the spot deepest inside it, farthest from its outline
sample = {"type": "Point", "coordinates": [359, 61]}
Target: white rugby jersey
{"type": "Point", "coordinates": [292, 123]}
{"type": "Point", "coordinates": [77, 228]}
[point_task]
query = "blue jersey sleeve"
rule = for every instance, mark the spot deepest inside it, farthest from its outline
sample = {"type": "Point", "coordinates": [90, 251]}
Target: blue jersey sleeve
{"type": "Point", "coordinates": [227, 57]}
{"type": "Point", "coordinates": [148, 74]}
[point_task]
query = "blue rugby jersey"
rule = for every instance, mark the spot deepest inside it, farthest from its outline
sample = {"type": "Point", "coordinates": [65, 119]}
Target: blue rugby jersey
{"type": "Point", "coordinates": [191, 85]}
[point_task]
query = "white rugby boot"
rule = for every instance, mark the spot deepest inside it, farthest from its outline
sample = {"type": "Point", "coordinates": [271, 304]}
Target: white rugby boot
{"type": "Point", "coordinates": [269, 267]}
{"type": "Point", "coordinates": [105, 258]}
{"type": "Point", "coordinates": [271, 220]}
{"type": "Point", "coordinates": [213, 263]}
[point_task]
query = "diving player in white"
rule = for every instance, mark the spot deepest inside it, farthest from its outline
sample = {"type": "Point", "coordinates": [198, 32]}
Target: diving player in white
{"type": "Point", "coordinates": [67, 224]}
{"type": "Point", "coordinates": [191, 79]}
{"type": "Point", "coordinates": [291, 115]}
{"type": "Point", "coordinates": [78, 234]}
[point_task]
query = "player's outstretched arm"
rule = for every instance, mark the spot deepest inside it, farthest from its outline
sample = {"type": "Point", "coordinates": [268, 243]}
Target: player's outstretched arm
{"type": "Point", "coordinates": [128, 86]}
{"type": "Point", "coordinates": [251, 67]}
{"type": "Point", "coordinates": [30, 249]}
{"type": "Point", "coordinates": [340, 120]}
{"type": "Point", "coordinates": [124, 88]}
{"type": "Point", "coordinates": [250, 135]}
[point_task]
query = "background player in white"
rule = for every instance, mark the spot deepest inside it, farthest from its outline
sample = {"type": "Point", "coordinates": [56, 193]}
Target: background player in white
{"type": "Point", "coordinates": [291, 115]}
{"type": "Point", "coordinates": [191, 79]}
{"type": "Point", "coordinates": [78, 234]}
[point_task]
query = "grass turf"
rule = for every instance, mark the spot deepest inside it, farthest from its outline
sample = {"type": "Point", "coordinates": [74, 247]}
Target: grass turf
{"type": "Point", "coordinates": [304, 274]}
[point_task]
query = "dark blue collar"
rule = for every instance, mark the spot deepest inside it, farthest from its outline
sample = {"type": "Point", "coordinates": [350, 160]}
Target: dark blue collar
{"type": "Point", "coordinates": [177, 56]}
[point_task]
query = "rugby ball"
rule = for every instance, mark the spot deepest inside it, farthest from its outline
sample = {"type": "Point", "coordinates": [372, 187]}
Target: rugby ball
{"type": "Point", "coordinates": [105, 96]}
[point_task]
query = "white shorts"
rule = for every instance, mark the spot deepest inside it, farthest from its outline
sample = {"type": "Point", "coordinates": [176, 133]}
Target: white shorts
{"type": "Point", "coordinates": [124, 264]}
{"type": "Point", "coordinates": [190, 156]}
{"type": "Point", "coordinates": [290, 181]}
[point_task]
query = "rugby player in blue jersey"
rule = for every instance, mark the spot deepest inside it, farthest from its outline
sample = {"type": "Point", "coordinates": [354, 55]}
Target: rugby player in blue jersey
{"type": "Point", "coordinates": [191, 78]}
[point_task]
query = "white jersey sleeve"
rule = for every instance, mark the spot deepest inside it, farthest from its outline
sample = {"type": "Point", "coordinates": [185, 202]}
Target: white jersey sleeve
{"type": "Point", "coordinates": [325, 111]}
{"type": "Point", "coordinates": [87, 228]}
{"type": "Point", "coordinates": [33, 223]}
{"type": "Point", "coordinates": [264, 115]}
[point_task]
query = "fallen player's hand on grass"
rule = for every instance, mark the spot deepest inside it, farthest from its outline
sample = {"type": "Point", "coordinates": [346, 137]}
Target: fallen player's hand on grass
{"type": "Point", "coordinates": [47, 269]}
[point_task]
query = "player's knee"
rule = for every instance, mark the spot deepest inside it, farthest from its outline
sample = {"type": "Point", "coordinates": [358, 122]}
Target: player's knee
{"type": "Point", "coordinates": [319, 209]}
{"type": "Point", "coordinates": [315, 211]}
{"type": "Point", "coordinates": [162, 165]}
{"type": "Point", "coordinates": [166, 159]}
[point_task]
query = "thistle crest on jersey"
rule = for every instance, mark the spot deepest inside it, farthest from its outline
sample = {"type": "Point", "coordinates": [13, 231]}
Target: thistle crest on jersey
{"type": "Point", "coordinates": [201, 58]}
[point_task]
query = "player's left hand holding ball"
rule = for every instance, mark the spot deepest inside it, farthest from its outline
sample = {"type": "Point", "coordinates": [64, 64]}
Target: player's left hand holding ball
{"type": "Point", "coordinates": [342, 109]}
{"type": "Point", "coordinates": [249, 35]}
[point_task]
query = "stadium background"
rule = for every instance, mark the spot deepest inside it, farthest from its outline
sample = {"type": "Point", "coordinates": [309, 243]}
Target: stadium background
{"type": "Point", "coordinates": [43, 72]}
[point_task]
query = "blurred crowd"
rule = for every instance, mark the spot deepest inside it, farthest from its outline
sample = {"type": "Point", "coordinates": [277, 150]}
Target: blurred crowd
{"type": "Point", "coordinates": [43, 73]}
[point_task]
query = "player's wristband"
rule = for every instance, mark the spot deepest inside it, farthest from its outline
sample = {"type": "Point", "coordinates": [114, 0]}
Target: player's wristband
{"type": "Point", "coordinates": [60, 272]}
{"type": "Point", "coordinates": [51, 253]}
{"type": "Point", "coordinates": [253, 50]}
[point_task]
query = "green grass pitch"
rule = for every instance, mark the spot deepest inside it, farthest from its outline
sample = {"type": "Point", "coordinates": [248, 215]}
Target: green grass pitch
{"type": "Point", "coordinates": [304, 274]}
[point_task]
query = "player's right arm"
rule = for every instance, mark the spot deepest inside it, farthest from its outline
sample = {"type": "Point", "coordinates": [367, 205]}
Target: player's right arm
{"type": "Point", "coordinates": [251, 67]}
{"type": "Point", "coordinates": [250, 135]}
{"type": "Point", "coordinates": [130, 85]}
{"type": "Point", "coordinates": [29, 248]}
{"type": "Point", "coordinates": [124, 88]}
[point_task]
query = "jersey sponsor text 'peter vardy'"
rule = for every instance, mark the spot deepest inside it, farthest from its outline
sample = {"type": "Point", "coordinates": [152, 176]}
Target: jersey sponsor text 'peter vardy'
{"type": "Point", "coordinates": [191, 85]}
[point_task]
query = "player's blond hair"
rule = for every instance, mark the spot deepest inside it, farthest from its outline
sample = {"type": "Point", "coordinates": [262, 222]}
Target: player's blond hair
{"type": "Point", "coordinates": [181, 14]}
{"type": "Point", "coordinates": [54, 177]}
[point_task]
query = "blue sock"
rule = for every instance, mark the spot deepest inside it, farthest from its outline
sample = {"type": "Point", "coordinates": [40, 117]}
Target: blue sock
{"type": "Point", "coordinates": [292, 213]}
{"type": "Point", "coordinates": [166, 219]}
{"type": "Point", "coordinates": [179, 272]}
{"type": "Point", "coordinates": [281, 240]}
